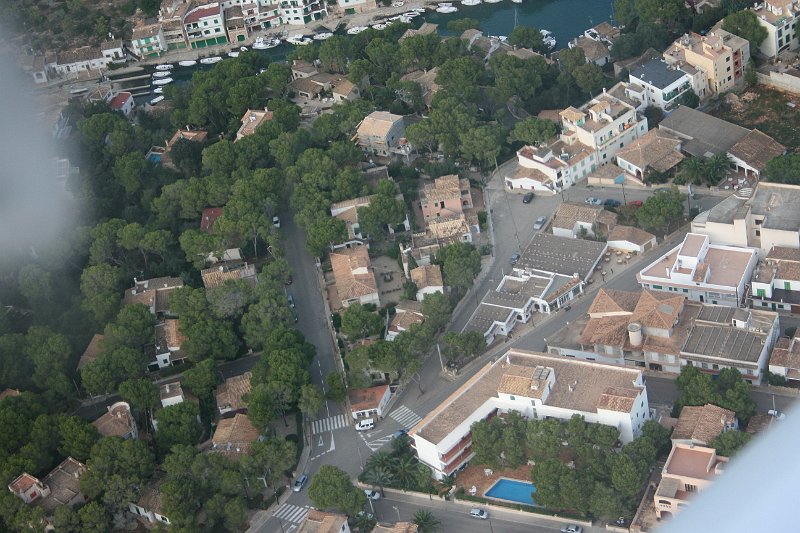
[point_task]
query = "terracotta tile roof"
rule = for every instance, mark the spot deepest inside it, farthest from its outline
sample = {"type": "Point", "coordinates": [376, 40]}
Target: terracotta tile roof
{"type": "Point", "coordinates": [234, 435]}
{"type": "Point", "coordinates": [9, 393]}
{"type": "Point", "coordinates": [570, 213]}
{"type": "Point", "coordinates": [655, 149]}
{"type": "Point", "coordinates": [77, 55]}
{"type": "Point", "coordinates": [343, 87]}
{"type": "Point", "coordinates": [378, 123]}
{"type": "Point", "coordinates": [617, 399]}
{"type": "Point", "coordinates": [369, 398]}
{"type": "Point", "coordinates": [64, 483]}
{"type": "Point", "coordinates": [201, 12]}
{"type": "Point", "coordinates": [227, 270]}
{"type": "Point", "coordinates": [24, 482]}
{"type": "Point", "coordinates": [349, 283]}
{"type": "Point", "coordinates": [251, 120]}
{"type": "Point", "coordinates": [426, 29]}
{"type": "Point", "coordinates": [427, 276]}
{"type": "Point", "coordinates": [172, 331]}
{"type": "Point", "coordinates": [757, 149]}
{"type": "Point", "coordinates": [119, 100]}
{"type": "Point", "coordinates": [229, 394]}
{"type": "Point", "coordinates": [553, 115]}
{"type": "Point", "coordinates": [444, 188]}
{"type": "Point", "coordinates": [786, 353]}
{"type": "Point", "coordinates": [322, 522]}
{"type": "Point", "coordinates": [403, 320]}
{"type": "Point", "coordinates": [592, 50]}
{"type": "Point", "coordinates": [170, 390]}
{"type": "Point", "coordinates": [572, 114]}
{"type": "Point", "coordinates": [91, 351]}
{"type": "Point", "coordinates": [142, 32]}
{"type": "Point", "coordinates": [199, 136]}
{"type": "Point", "coordinates": [630, 234]}
{"type": "Point", "coordinates": [427, 81]}
{"type": "Point", "coordinates": [614, 301]}
{"type": "Point", "coordinates": [209, 217]}
{"type": "Point", "coordinates": [303, 67]}
{"type": "Point", "coordinates": [116, 422]}
{"type": "Point", "coordinates": [307, 85]}
{"type": "Point", "coordinates": [701, 424]}
{"type": "Point", "coordinates": [511, 372]}
{"type": "Point", "coordinates": [444, 227]}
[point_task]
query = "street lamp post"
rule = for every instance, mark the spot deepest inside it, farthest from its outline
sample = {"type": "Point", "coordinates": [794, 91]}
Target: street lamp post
{"type": "Point", "coordinates": [397, 511]}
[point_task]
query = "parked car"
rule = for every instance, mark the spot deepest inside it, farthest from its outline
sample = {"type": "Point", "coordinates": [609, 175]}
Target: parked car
{"type": "Point", "coordinates": [365, 424]}
{"type": "Point", "coordinates": [528, 198]}
{"type": "Point", "coordinates": [290, 299]}
{"type": "Point", "coordinates": [540, 222]}
{"type": "Point", "coordinates": [372, 495]}
{"type": "Point", "coordinates": [612, 203]}
{"type": "Point", "coordinates": [777, 414]}
{"type": "Point", "coordinates": [276, 222]}
{"type": "Point", "coordinates": [399, 433]}
{"type": "Point", "coordinates": [635, 203]}
{"type": "Point", "coordinates": [593, 201]}
{"type": "Point", "coordinates": [479, 513]}
{"type": "Point", "coordinates": [514, 258]}
{"type": "Point", "coordinates": [299, 483]}
{"type": "Point", "coordinates": [572, 528]}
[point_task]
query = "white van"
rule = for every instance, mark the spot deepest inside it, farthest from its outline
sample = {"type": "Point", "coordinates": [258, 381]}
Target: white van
{"type": "Point", "coordinates": [365, 424]}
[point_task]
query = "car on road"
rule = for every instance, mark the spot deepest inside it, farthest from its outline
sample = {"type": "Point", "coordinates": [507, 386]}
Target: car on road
{"type": "Point", "coordinates": [372, 494]}
{"type": "Point", "coordinates": [593, 201]}
{"type": "Point", "coordinates": [290, 300]}
{"type": "Point", "coordinates": [572, 528]}
{"type": "Point", "coordinates": [540, 222]}
{"type": "Point", "coordinates": [610, 202]}
{"type": "Point", "coordinates": [365, 424]}
{"type": "Point", "coordinates": [479, 513]}
{"type": "Point", "coordinates": [276, 222]}
{"type": "Point", "coordinates": [299, 483]}
{"type": "Point", "coordinates": [635, 203]}
{"type": "Point", "coordinates": [514, 258]}
{"type": "Point", "coordinates": [777, 414]}
{"type": "Point", "coordinates": [399, 433]}
{"type": "Point", "coordinates": [528, 198]}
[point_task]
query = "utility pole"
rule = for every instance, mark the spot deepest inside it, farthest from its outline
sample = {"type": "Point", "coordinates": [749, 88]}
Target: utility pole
{"type": "Point", "coordinates": [438, 349]}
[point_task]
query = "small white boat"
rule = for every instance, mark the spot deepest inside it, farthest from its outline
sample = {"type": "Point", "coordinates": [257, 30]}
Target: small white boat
{"type": "Point", "coordinates": [243, 49]}
{"type": "Point", "coordinates": [260, 44]}
{"type": "Point", "coordinates": [418, 9]}
{"type": "Point", "coordinates": [158, 90]}
{"type": "Point", "coordinates": [355, 30]}
{"type": "Point", "coordinates": [396, 17]}
{"type": "Point", "coordinates": [156, 100]}
{"type": "Point", "coordinates": [323, 36]}
{"type": "Point", "coordinates": [161, 74]}
{"type": "Point", "coordinates": [517, 1]}
{"type": "Point", "coordinates": [379, 26]}
{"type": "Point", "coordinates": [411, 14]}
{"type": "Point", "coordinates": [548, 38]}
{"type": "Point", "coordinates": [165, 66]}
{"type": "Point", "coordinates": [493, 1]}
{"type": "Point", "coordinates": [162, 81]}
{"type": "Point", "coordinates": [299, 40]}
{"type": "Point", "coordinates": [272, 43]}
{"type": "Point", "coordinates": [446, 7]}
{"type": "Point", "coordinates": [235, 53]}
{"type": "Point", "coordinates": [470, 2]}
{"type": "Point", "coordinates": [187, 63]}
{"type": "Point", "coordinates": [210, 60]}
{"type": "Point", "coordinates": [398, 4]}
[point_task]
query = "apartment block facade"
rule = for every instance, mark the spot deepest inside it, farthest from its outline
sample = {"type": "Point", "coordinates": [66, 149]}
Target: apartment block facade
{"type": "Point", "coordinates": [721, 55]}
{"type": "Point", "coordinates": [780, 19]}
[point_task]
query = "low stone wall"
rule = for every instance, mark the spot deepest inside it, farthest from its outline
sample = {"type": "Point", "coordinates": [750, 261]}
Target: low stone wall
{"type": "Point", "coordinates": [780, 80]}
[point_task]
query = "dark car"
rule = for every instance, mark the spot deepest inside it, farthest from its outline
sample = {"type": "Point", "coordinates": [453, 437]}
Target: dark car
{"type": "Point", "coordinates": [612, 203]}
{"type": "Point", "coordinates": [528, 198]}
{"type": "Point", "coordinates": [514, 258]}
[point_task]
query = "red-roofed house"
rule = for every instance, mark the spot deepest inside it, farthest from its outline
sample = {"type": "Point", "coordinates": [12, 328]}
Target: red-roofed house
{"type": "Point", "coordinates": [370, 402]}
{"type": "Point", "coordinates": [209, 216]}
{"type": "Point", "coordinates": [205, 26]}
{"type": "Point", "coordinates": [122, 102]}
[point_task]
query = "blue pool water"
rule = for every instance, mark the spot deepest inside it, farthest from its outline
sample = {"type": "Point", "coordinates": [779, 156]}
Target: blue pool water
{"type": "Point", "coordinates": [513, 491]}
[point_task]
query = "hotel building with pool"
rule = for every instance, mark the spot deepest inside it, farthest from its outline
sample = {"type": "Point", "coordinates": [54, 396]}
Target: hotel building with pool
{"type": "Point", "coordinates": [538, 386]}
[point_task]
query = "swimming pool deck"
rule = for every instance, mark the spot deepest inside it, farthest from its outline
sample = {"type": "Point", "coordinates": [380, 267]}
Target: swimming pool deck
{"type": "Point", "coordinates": [474, 475]}
{"type": "Point", "coordinates": [518, 488]}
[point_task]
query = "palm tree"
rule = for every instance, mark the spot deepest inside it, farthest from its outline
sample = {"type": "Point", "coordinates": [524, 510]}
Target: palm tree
{"type": "Point", "coordinates": [426, 522]}
{"type": "Point", "coordinates": [380, 476]}
{"type": "Point", "coordinates": [380, 460]}
{"type": "Point", "coordinates": [406, 471]}
{"type": "Point", "coordinates": [694, 169]}
{"type": "Point", "coordinates": [717, 167]}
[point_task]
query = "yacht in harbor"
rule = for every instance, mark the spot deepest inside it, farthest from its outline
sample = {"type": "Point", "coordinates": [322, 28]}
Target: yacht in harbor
{"type": "Point", "coordinates": [162, 81]}
{"type": "Point", "coordinates": [299, 40]}
{"type": "Point", "coordinates": [210, 60]}
{"type": "Point", "coordinates": [547, 37]}
{"type": "Point", "coordinates": [446, 7]}
{"type": "Point", "coordinates": [161, 74]}
{"type": "Point", "coordinates": [470, 2]}
{"type": "Point", "coordinates": [187, 63]}
{"type": "Point", "coordinates": [325, 35]}
{"type": "Point", "coordinates": [165, 66]}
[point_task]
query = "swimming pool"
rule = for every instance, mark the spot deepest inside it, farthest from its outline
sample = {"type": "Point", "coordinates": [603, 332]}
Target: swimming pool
{"type": "Point", "coordinates": [513, 491]}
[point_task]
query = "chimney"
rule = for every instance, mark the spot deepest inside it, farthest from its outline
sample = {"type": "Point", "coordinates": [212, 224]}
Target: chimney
{"type": "Point", "coordinates": [635, 333]}
{"type": "Point", "coordinates": [667, 270]}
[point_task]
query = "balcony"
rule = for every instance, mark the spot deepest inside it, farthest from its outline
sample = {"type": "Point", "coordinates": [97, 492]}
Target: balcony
{"type": "Point", "coordinates": [465, 441]}
{"type": "Point", "coordinates": [453, 466]}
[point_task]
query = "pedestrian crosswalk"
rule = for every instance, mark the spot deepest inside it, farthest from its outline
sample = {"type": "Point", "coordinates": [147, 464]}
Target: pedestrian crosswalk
{"type": "Point", "coordinates": [291, 513]}
{"type": "Point", "coordinates": [377, 444]}
{"type": "Point", "coordinates": [405, 416]}
{"type": "Point", "coordinates": [328, 424]}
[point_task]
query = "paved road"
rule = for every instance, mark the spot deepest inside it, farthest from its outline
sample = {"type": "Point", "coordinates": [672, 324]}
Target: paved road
{"type": "Point", "coordinates": [455, 517]}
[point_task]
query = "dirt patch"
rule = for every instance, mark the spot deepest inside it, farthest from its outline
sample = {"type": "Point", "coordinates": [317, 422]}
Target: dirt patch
{"type": "Point", "coordinates": [766, 109]}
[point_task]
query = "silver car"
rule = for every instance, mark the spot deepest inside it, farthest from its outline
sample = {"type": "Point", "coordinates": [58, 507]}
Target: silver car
{"type": "Point", "coordinates": [540, 222]}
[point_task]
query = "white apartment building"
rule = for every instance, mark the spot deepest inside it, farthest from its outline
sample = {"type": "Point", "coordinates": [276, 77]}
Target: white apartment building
{"type": "Point", "coordinates": [660, 85]}
{"type": "Point", "coordinates": [205, 26]}
{"type": "Point", "coordinates": [537, 386]}
{"type": "Point", "coordinates": [779, 18]}
{"type": "Point", "coordinates": [148, 40]}
{"type": "Point", "coordinates": [551, 168]}
{"type": "Point", "coordinates": [301, 12]}
{"type": "Point", "coordinates": [701, 271]}
{"type": "Point", "coordinates": [604, 124]}
{"type": "Point", "coordinates": [71, 62]}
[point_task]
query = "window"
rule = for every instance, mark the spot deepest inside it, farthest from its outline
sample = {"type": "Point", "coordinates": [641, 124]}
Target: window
{"type": "Point", "coordinates": [658, 287]}
{"type": "Point", "coordinates": [512, 398]}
